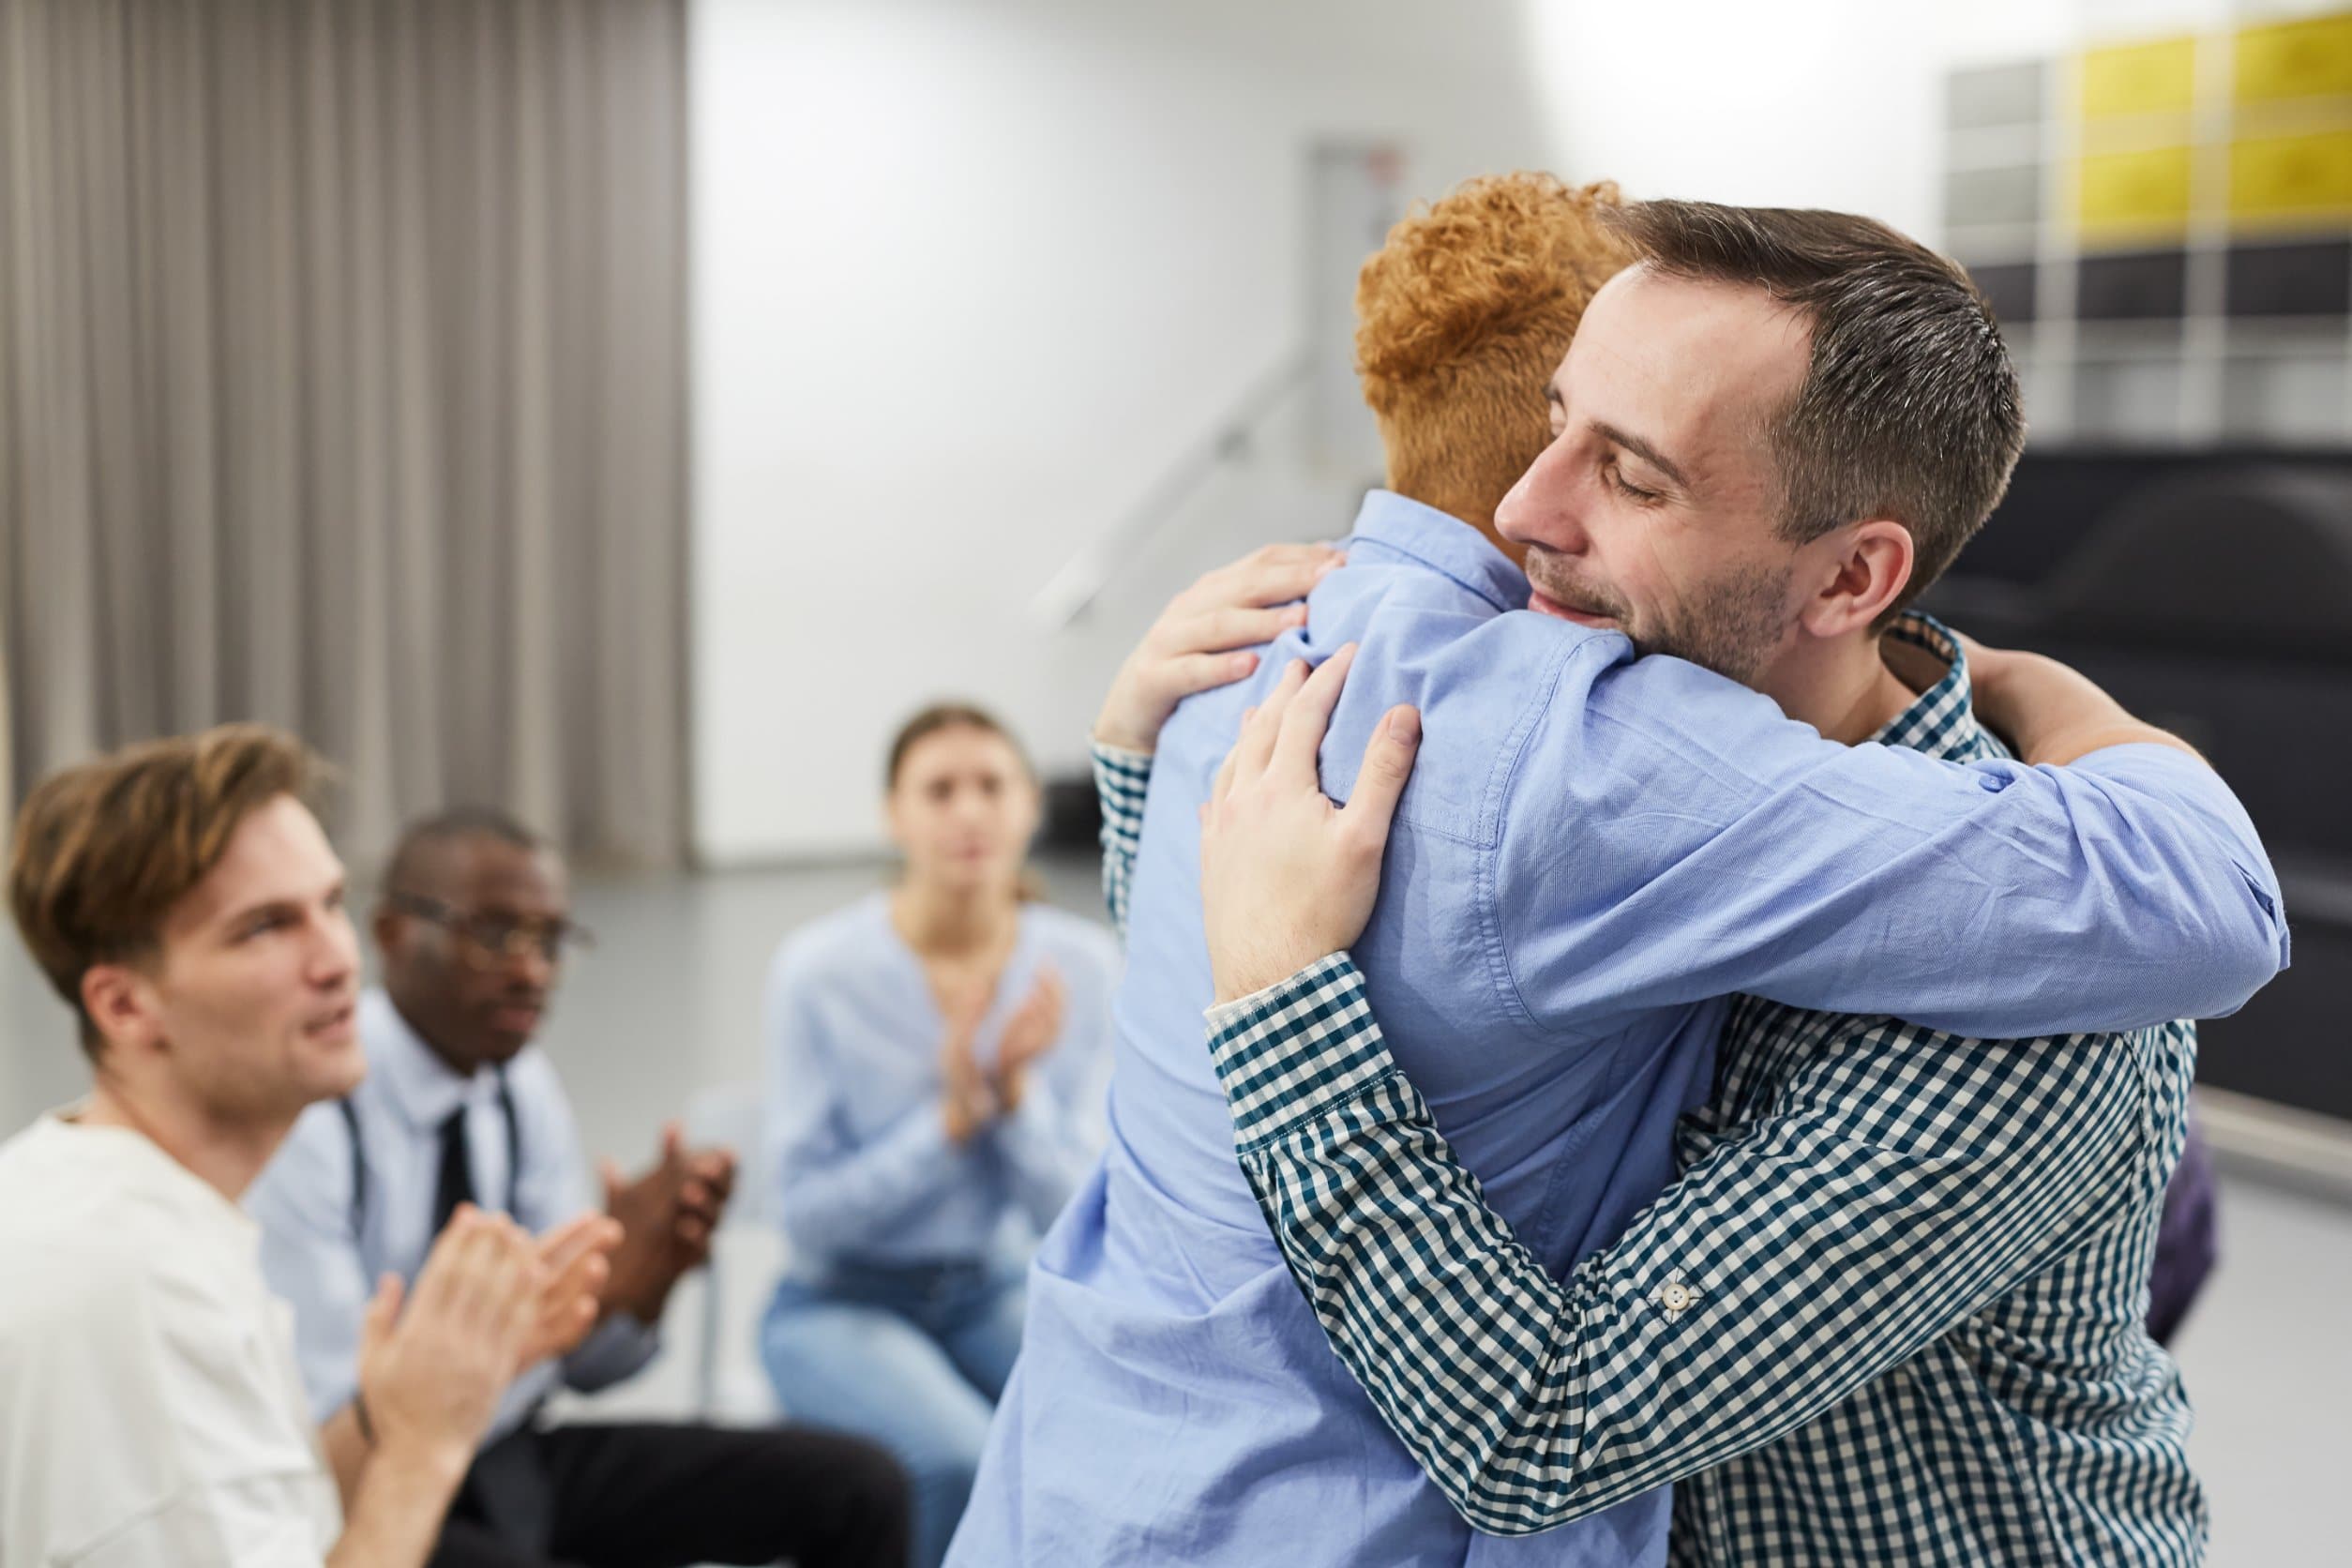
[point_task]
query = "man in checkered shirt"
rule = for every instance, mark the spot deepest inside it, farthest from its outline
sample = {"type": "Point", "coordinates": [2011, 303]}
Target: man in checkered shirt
{"type": "Point", "coordinates": [1891, 1310]}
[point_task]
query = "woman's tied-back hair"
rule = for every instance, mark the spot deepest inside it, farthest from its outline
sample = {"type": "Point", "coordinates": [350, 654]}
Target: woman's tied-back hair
{"type": "Point", "coordinates": [1462, 317]}
{"type": "Point", "coordinates": [947, 715]}
{"type": "Point", "coordinates": [104, 850]}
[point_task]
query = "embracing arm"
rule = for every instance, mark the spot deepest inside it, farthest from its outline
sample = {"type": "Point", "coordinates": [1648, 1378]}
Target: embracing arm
{"type": "Point", "coordinates": [1780, 1275]}
{"type": "Point", "coordinates": [1996, 898]}
{"type": "Point", "coordinates": [1201, 640]}
{"type": "Point", "coordinates": [1121, 779]}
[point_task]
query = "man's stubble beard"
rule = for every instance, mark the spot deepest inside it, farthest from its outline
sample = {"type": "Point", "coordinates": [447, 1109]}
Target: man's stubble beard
{"type": "Point", "coordinates": [1733, 627]}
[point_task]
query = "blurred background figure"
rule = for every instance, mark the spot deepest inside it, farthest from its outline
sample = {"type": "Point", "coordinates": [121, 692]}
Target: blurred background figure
{"type": "Point", "coordinates": [460, 1107]}
{"type": "Point", "coordinates": [939, 1052]}
{"type": "Point", "coordinates": [185, 904]}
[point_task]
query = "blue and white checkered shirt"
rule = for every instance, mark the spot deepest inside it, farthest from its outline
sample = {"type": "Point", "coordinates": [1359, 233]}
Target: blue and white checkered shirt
{"type": "Point", "coordinates": [1890, 1313]}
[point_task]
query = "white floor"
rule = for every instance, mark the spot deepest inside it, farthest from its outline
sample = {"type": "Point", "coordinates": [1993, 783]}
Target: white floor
{"type": "Point", "coordinates": [668, 1008]}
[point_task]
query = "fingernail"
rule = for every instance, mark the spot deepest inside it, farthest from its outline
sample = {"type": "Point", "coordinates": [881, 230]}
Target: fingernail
{"type": "Point", "coordinates": [1405, 726]}
{"type": "Point", "coordinates": [1244, 663]}
{"type": "Point", "coordinates": [1297, 616]}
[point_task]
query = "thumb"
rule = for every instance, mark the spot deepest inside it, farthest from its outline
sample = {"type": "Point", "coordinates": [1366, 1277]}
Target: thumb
{"type": "Point", "coordinates": [613, 1178]}
{"type": "Point", "coordinates": [1388, 762]}
{"type": "Point", "coordinates": [384, 1310]}
{"type": "Point", "coordinates": [672, 1143]}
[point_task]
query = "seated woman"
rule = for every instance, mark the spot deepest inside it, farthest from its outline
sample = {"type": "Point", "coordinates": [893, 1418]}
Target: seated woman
{"type": "Point", "coordinates": [937, 1052]}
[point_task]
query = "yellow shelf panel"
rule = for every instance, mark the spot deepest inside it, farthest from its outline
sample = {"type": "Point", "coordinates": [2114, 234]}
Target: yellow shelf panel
{"type": "Point", "coordinates": [2136, 194]}
{"type": "Point", "coordinates": [2295, 59]}
{"type": "Point", "coordinates": [2139, 79]}
{"type": "Point", "coordinates": [2280, 178]}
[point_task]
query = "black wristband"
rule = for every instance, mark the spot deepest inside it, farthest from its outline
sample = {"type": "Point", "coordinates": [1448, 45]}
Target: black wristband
{"type": "Point", "coordinates": [359, 1417]}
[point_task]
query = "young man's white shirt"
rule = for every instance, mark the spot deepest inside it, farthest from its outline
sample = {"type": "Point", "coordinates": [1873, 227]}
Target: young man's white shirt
{"type": "Point", "coordinates": [151, 1412]}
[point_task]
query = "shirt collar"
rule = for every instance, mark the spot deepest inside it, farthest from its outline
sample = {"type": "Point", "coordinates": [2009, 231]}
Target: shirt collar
{"type": "Point", "coordinates": [1942, 720]}
{"type": "Point", "coordinates": [1443, 543]}
{"type": "Point", "coordinates": [420, 1085]}
{"type": "Point", "coordinates": [65, 1129]}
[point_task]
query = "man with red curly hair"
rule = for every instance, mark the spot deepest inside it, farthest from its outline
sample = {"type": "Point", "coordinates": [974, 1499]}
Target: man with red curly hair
{"type": "Point", "coordinates": [1593, 852]}
{"type": "Point", "coordinates": [1460, 317]}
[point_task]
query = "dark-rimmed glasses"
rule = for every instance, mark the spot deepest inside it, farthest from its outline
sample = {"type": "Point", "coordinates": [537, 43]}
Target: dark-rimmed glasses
{"type": "Point", "coordinates": [485, 940]}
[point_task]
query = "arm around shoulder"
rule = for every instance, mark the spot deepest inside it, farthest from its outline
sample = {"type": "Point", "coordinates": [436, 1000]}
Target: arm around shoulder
{"type": "Point", "coordinates": [1667, 836]}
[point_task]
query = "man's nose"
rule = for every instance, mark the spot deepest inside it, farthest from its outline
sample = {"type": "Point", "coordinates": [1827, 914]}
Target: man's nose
{"type": "Point", "coordinates": [336, 954]}
{"type": "Point", "coordinates": [531, 964]}
{"type": "Point", "coordinates": [1542, 508]}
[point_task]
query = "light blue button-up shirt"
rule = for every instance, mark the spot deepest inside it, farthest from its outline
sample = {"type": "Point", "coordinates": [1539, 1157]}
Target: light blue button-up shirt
{"type": "Point", "coordinates": [1592, 852]}
{"type": "Point", "coordinates": [861, 1165]}
{"type": "Point", "coordinates": [324, 1246]}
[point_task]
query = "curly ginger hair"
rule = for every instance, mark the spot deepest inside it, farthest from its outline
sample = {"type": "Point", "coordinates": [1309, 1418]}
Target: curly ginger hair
{"type": "Point", "coordinates": [1461, 318]}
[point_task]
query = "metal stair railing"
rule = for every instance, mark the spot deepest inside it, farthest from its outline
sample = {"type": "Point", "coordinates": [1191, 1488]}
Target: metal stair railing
{"type": "Point", "coordinates": [1075, 588]}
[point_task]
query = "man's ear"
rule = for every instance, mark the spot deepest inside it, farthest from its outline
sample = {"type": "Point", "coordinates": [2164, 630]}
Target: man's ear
{"type": "Point", "coordinates": [121, 1004]}
{"type": "Point", "coordinates": [1869, 568]}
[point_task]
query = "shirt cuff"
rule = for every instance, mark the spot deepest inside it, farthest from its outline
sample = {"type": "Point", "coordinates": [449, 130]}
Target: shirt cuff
{"type": "Point", "coordinates": [1122, 777]}
{"type": "Point", "coordinates": [1294, 1050]}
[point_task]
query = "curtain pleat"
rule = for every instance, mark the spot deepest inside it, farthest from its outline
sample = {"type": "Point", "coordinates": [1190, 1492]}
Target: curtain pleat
{"type": "Point", "coordinates": [342, 381]}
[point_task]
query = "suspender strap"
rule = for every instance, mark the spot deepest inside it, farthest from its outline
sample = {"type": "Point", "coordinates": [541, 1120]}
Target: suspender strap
{"type": "Point", "coordinates": [514, 1140]}
{"type": "Point", "coordinates": [359, 1154]}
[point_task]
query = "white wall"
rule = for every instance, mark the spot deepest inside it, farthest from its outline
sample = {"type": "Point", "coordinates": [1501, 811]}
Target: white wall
{"type": "Point", "coordinates": [1825, 103]}
{"type": "Point", "coordinates": [968, 273]}
{"type": "Point", "coordinates": [966, 276]}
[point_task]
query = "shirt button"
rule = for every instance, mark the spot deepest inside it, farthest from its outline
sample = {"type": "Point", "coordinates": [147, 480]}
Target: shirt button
{"type": "Point", "coordinates": [1676, 1297]}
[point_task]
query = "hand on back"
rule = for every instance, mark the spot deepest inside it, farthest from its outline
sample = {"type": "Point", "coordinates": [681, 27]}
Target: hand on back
{"type": "Point", "coordinates": [1286, 877]}
{"type": "Point", "coordinates": [1201, 638]}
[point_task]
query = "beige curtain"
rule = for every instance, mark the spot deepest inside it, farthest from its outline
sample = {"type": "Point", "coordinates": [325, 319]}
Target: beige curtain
{"type": "Point", "coordinates": [342, 385]}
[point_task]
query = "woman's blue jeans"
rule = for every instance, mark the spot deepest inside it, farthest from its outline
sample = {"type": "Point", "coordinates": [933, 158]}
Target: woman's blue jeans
{"type": "Point", "coordinates": [913, 1357]}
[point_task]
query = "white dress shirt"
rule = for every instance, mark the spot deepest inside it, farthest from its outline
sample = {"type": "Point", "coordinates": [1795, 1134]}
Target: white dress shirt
{"type": "Point", "coordinates": [151, 1416]}
{"type": "Point", "coordinates": [325, 1244]}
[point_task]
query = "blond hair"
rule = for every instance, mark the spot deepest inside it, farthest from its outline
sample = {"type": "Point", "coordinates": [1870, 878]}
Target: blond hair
{"type": "Point", "coordinates": [104, 851]}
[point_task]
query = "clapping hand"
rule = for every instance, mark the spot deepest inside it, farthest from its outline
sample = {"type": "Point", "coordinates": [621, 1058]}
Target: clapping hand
{"type": "Point", "coordinates": [435, 1357]}
{"type": "Point", "coordinates": [968, 1096]}
{"type": "Point", "coordinates": [1029, 1034]}
{"type": "Point", "coordinates": [575, 1261]}
{"type": "Point", "coordinates": [667, 1217]}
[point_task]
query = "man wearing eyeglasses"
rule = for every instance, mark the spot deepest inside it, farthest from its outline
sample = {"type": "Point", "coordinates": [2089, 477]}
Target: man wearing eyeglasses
{"type": "Point", "coordinates": [473, 926]}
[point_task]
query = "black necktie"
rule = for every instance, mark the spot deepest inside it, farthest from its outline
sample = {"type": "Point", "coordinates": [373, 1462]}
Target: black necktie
{"type": "Point", "coordinates": [456, 1184]}
{"type": "Point", "coordinates": [508, 1487]}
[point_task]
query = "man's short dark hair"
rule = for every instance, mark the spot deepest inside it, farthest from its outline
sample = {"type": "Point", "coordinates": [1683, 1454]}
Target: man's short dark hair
{"type": "Point", "coordinates": [422, 837]}
{"type": "Point", "coordinates": [1910, 407]}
